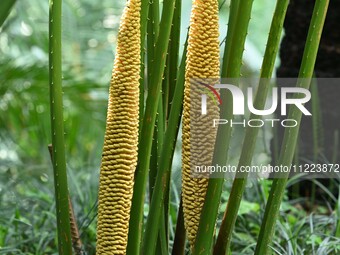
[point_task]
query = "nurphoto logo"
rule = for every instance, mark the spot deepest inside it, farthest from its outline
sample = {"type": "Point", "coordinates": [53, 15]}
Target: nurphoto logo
{"type": "Point", "coordinates": [279, 97]}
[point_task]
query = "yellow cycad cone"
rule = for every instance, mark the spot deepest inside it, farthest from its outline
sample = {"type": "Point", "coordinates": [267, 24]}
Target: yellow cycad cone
{"type": "Point", "coordinates": [119, 157]}
{"type": "Point", "coordinates": [198, 137]}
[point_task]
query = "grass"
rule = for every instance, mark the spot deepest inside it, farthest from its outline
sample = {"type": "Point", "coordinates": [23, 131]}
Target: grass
{"type": "Point", "coordinates": [36, 234]}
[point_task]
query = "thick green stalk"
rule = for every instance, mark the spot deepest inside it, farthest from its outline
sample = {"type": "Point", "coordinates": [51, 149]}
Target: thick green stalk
{"type": "Point", "coordinates": [153, 31]}
{"type": "Point", "coordinates": [57, 123]}
{"type": "Point", "coordinates": [165, 86]}
{"type": "Point", "coordinates": [237, 33]}
{"type": "Point", "coordinates": [230, 216]}
{"type": "Point", "coordinates": [163, 225]}
{"type": "Point", "coordinates": [143, 28]}
{"type": "Point", "coordinates": [170, 73]}
{"type": "Point", "coordinates": [153, 163]}
{"type": "Point", "coordinates": [275, 151]}
{"type": "Point", "coordinates": [137, 210]}
{"type": "Point", "coordinates": [163, 236]}
{"type": "Point", "coordinates": [316, 121]}
{"type": "Point", "coordinates": [143, 22]}
{"type": "Point", "coordinates": [165, 161]}
{"type": "Point", "coordinates": [173, 56]}
{"type": "Point", "coordinates": [178, 247]}
{"type": "Point", "coordinates": [152, 35]}
{"type": "Point", "coordinates": [233, 9]}
{"type": "Point", "coordinates": [172, 69]}
{"type": "Point", "coordinates": [5, 9]}
{"type": "Point", "coordinates": [291, 134]}
{"type": "Point", "coordinates": [155, 151]}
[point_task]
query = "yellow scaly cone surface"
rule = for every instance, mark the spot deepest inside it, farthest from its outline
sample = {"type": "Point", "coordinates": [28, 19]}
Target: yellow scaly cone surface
{"type": "Point", "coordinates": [198, 137]}
{"type": "Point", "coordinates": [119, 157]}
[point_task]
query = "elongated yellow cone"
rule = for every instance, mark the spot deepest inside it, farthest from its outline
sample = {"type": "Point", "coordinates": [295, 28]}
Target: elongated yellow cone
{"type": "Point", "coordinates": [198, 137]}
{"type": "Point", "coordinates": [119, 157]}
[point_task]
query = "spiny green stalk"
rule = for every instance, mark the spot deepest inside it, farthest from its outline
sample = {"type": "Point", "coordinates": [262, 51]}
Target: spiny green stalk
{"type": "Point", "coordinates": [233, 10]}
{"type": "Point", "coordinates": [165, 85]}
{"type": "Point", "coordinates": [57, 124]}
{"type": "Point", "coordinates": [239, 21]}
{"type": "Point", "coordinates": [178, 247]}
{"type": "Point", "coordinates": [173, 54]}
{"type": "Point", "coordinates": [169, 84]}
{"type": "Point", "coordinates": [316, 134]}
{"type": "Point", "coordinates": [5, 9]}
{"type": "Point", "coordinates": [152, 35]}
{"type": "Point", "coordinates": [143, 27]}
{"type": "Point", "coordinates": [162, 236]}
{"type": "Point", "coordinates": [316, 121]}
{"type": "Point", "coordinates": [137, 210]}
{"type": "Point", "coordinates": [163, 173]}
{"type": "Point", "coordinates": [230, 216]}
{"type": "Point", "coordinates": [291, 133]}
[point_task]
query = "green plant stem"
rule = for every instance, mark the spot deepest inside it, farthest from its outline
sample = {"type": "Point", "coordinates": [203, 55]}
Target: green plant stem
{"type": "Point", "coordinates": [237, 32]}
{"type": "Point", "coordinates": [172, 70]}
{"type": "Point", "coordinates": [290, 135]}
{"type": "Point", "coordinates": [173, 56]}
{"type": "Point", "coordinates": [234, 5]}
{"type": "Point", "coordinates": [316, 132]}
{"type": "Point", "coordinates": [57, 125]}
{"type": "Point", "coordinates": [163, 234]}
{"type": "Point", "coordinates": [162, 245]}
{"type": "Point", "coordinates": [153, 164]}
{"type": "Point", "coordinates": [5, 9]}
{"type": "Point", "coordinates": [230, 216]}
{"type": "Point", "coordinates": [165, 87]}
{"type": "Point", "coordinates": [165, 161]}
{"type": "Point", "coordinates": [179, 240]}
{"type": "Point", "coordinates": [153, 29]}
{"type": "Point", "coordinates": [143, 28]}
{"type": "Point", "coordinates": [137, 209]}
{"type": "Point", "coordinates": [152, 36]}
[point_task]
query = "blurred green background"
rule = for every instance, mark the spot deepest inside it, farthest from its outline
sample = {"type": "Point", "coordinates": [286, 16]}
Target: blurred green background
{"type": "Point", "coordinates": [27, 215]}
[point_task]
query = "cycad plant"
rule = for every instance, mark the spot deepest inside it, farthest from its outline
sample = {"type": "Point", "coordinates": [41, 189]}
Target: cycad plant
{"type": "Point", "coordinates": [150, 86]}
{"type": "Point", "coordinates": [120, 145]}
{"type": "Point", "coordinates": [202, 64]}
